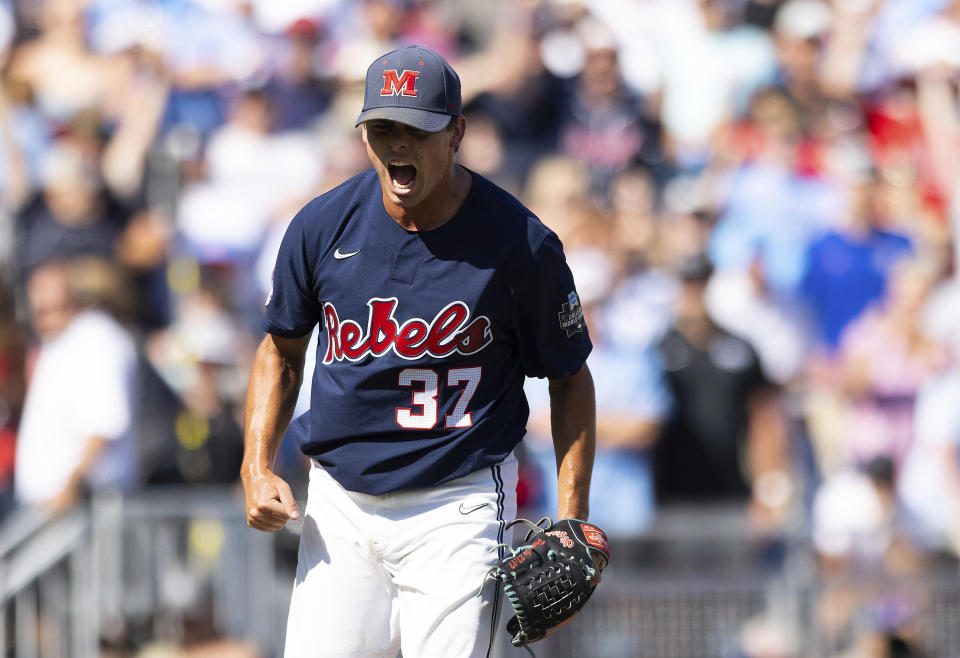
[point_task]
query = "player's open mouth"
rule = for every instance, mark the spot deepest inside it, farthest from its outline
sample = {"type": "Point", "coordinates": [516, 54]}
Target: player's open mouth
{"type": "Point", "coordinates": [402, 174]}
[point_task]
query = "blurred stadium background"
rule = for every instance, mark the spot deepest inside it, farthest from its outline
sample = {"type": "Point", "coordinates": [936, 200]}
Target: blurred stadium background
{"type": "Point", "coordinates": [759, 202]}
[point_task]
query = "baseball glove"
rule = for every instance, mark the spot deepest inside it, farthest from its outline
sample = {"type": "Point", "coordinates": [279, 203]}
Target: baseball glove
{"type": "Point", "coordinates": [550, 576]}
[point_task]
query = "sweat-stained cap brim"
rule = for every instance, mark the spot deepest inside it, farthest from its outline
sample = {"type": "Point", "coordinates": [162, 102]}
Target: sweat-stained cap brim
{"type": "Point", "coordinates": [431, 122]}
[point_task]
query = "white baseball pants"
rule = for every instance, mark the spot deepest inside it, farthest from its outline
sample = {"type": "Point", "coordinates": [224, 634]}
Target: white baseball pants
{"type": "Point", "coordinates": [378, 575]}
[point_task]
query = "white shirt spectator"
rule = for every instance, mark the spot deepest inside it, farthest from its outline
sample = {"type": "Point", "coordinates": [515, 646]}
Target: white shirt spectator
{"type": "Point", "coordinates": [930, 481]}
{"type": "Point", "coordinates": [254, 177]}
{"type": "Point", "coordinates": [774, 330]}
{"type": "Point", "coordinates": [83, 387]}
{"type": "Point", "coordinates": [849, 520]}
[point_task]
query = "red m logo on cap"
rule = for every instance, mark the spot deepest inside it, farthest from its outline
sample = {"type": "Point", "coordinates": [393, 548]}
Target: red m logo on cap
{"type": "Point", "coordinates": [394, 84]}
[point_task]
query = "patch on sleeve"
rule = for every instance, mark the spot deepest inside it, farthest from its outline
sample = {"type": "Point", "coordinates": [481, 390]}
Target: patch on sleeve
{"type": "Point", "coordinates": [571, 315]}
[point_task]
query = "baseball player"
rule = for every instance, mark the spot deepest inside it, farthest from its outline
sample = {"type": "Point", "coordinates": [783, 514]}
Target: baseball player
{"type": "Point", "coordinates": [436, 292]}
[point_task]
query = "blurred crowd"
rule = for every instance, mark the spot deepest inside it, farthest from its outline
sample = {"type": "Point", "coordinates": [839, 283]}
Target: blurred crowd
{"type": "Point", "coordinates": [757, 199]}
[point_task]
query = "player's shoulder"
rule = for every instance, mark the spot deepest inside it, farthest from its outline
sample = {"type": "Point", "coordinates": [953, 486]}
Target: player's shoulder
{"type": "Point", "coordinates": [508, 218]}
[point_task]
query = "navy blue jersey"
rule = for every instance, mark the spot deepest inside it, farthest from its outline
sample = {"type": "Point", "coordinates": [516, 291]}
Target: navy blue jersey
{"type": "Point", "coordinates": [427, 335]}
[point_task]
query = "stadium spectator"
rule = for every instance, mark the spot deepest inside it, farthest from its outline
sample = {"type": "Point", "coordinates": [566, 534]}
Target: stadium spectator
{"type": "Point", "coordinates": [252, 175]}
{"type": "Point", "coordinates": [76, 215]}
{"type": "Point", "coordinates": [209, 48]}
{"type": "Point", "coordinates": [558, 188]}
{"type": "Point", "coordinates": [799, 31]}
{"type": "Point", "coordinates": [929, 483]}
{"type": "Point", "coordinates": [724, 438]}
{"type": "Point", "coordinates": [847, 268]}
{"type": "Point", "coordinates": [640, 308]}
{"type": "Point", "coordinates": [861, 527]}
{"type": "Point", "coordinates": [770, 208]}
{"type": "Point", "coordinates": [64, 76]}
{"type": "Point", "coordinates": [75, 435]}
{"type": "Point", "coordinates": [253, 178]}
{"type": "Point", "coordinates": [602, 124]}
{"type": "Point", "coordinates": [634, 217]}
{"type": "Point", "coordinates": [884, 359]}
{"type": "Point", "coordinates": [73, 215]}
{"type": "Point", "coordinates": [711, 66]}
{"type": "Point", "coordinates": [202, 356]}
{"type": "Point", "coordinates": [521, 98]}
{"type": "Point", "coordinates": [299, 90]}
{"type": "Point", "coordinates": [487, 153]}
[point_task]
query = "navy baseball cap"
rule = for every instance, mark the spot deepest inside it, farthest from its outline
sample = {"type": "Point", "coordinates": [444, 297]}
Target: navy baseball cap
{"type": "Point", "coordinates": [414, 86]}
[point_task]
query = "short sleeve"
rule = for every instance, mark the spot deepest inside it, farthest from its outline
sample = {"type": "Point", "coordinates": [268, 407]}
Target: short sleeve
{"type": "Point", "coordinates": [551, 332]}
{"type": "Point", "coordinates": [292, 308]}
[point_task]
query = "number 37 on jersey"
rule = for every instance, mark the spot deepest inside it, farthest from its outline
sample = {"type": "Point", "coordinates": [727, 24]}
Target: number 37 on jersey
{"type": "Point", "coordinates": [451, 331]}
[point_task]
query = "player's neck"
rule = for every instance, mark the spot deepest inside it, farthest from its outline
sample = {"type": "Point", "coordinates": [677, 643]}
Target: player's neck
{"type": "Point", "coordinates": [438, 208]}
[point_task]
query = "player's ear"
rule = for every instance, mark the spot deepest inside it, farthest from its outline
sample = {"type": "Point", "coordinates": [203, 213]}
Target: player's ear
{"type": "Point", "coordinates": [363, 132]}
{"type": "Point", "coordinates": [458, 127]}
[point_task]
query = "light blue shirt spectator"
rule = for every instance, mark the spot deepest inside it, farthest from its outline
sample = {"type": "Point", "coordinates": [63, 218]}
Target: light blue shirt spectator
{"type": "Point", "coordinates": [772, 213]}
{"type": "Point", "coordinates": [628, 384]}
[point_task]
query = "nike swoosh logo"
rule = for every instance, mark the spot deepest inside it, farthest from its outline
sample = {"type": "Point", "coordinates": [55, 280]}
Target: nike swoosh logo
{"type": "Point", "coordinates": [339, 255]}
{"type": "Point", "coordinates": [472, 508]}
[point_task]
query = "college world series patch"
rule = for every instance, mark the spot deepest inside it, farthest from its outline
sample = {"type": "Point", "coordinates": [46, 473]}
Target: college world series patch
{"type": "Point", "coordinates": [571, 315]}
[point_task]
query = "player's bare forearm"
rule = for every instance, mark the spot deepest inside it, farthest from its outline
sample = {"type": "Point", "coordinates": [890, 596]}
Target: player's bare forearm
{"type": "Point", "coordinates": [573, 419]}
{"type": "Point", "coordinates": [271, 398]}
